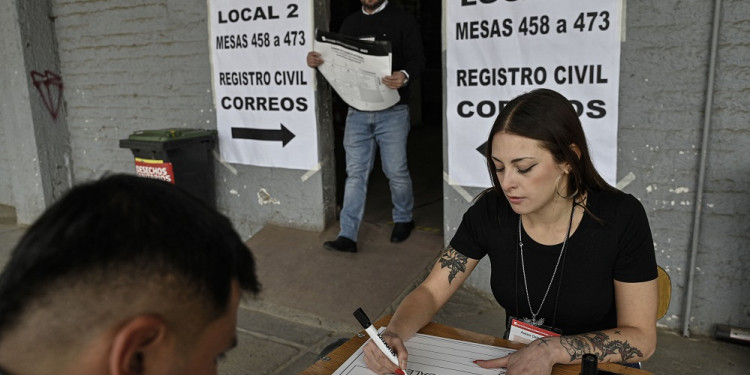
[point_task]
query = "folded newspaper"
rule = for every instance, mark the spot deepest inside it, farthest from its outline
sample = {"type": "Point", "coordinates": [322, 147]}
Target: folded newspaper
{"type": "Point", "coordinates": [355, 69]}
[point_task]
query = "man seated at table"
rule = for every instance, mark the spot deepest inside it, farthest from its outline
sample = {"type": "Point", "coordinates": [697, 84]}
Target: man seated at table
{"type": "Point", "coordinates": [125, 275]}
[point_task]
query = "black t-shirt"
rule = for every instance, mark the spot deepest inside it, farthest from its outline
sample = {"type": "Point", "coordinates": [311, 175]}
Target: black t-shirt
{"type": "Point", "coordinates": [398, 27]}
{"type": "Point", "coordinates": [618, 247]}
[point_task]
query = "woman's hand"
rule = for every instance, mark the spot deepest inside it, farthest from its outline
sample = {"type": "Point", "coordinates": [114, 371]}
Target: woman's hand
{"type": "Point", "coordinates": [535, 359]}
{"type": "Point", "coordinates": [378, 362]}
{"type": "Point", "coordinates": [418, 308]}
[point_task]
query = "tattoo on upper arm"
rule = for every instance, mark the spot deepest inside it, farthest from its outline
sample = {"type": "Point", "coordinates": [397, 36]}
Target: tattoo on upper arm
{"type": "Point", "coordinates": [600, 344]}
{"type": "Point", "coordinates": [454, 261]}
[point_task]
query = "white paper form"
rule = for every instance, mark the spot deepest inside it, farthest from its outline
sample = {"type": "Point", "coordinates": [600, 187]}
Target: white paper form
{"type": "Point", "coordinates": [432, 355]}
{"type": "Point", "coordinates": [355, 69]}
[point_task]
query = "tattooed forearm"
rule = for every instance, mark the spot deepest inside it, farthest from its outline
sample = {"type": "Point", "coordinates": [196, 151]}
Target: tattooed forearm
{"type": "Point", "coordinates": [542, 341]}
{"type": "Point", "coordinates": [600, 344]}
{"type": "Point", "coordinates": [454, 261]}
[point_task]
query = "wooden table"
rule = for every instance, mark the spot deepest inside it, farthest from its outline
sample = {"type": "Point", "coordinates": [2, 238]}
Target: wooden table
{"type": "Point", "coordinates": [343, 352]}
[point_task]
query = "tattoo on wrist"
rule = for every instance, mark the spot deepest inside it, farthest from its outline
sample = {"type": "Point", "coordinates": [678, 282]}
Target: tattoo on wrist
{"type": "Point", "coordinates": [454, 261]}
{"type": "Point", "coordinates": [600, 344]}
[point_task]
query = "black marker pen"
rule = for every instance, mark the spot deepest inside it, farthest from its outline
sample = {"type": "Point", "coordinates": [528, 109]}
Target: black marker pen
{"type": "Point", "coordinates": [376, 338]}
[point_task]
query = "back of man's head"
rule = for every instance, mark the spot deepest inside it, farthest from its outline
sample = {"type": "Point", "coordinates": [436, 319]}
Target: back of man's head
{"type": "Point", "coordinates": [113, 249]}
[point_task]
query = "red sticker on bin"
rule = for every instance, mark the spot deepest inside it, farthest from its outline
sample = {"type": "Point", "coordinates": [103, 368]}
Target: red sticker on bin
{"type": "Point", "coordinates": [156, 169]}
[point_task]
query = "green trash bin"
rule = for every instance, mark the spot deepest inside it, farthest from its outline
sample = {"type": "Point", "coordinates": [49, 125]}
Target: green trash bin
{"type": "Point", "coordinates": [180, 156]}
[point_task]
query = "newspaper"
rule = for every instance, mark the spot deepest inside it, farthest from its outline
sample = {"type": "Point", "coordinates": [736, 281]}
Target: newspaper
{"type": "Point", "coordinates": [355, 68]}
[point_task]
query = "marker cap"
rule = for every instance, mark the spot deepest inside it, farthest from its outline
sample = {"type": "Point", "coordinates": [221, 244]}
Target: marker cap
{"type": "Point", "coordinates": [362, 318]}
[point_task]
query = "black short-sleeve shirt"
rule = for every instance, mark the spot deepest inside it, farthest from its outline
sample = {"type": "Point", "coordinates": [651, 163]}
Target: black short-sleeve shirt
{"type": "Point", "coordinates": [617, 246]}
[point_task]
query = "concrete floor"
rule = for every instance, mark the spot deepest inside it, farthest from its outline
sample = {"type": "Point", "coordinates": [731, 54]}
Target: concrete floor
{"type": "Point", "coordinates": [310, 292]}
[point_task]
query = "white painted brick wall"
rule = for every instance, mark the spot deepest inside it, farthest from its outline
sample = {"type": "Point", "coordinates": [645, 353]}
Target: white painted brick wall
{"type": "Point", "coordinates": [143, 65]}
{"type": "Point", "coordinates": [6, 189]}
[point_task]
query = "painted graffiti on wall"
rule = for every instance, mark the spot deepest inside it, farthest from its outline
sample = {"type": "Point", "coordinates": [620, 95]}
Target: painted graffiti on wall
{"type": "Point", "coordinates": [50, 87]}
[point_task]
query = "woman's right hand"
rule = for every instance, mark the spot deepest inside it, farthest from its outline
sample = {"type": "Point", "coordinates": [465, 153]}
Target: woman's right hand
{"type": "Point", "coordinates": [418, 308]}
{"type": "Point", "coordinates": [378, 362]}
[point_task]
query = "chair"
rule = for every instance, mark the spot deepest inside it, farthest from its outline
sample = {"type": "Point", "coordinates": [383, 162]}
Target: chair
{"type": "Point", "coordinates": [665, 292]}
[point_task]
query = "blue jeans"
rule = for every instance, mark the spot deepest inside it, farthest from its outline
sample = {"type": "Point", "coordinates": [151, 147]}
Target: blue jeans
{"type": "Point", "coordinates": [364, 133]}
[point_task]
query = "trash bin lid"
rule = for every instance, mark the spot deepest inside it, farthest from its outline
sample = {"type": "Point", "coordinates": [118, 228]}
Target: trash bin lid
{"type": "Point", "coordinates": [170, 134]}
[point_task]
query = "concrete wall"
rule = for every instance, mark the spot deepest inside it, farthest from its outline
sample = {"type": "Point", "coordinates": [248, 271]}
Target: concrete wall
{"type": "Point", "coordinates": [136, 65]}
{"type": "Point", "coordinates": [35, 137]}
{"type": "Point", "coordinates": [663, 83]}
{"type": "Point", "coordinates": [722, 284]}
{"type": "Point", "coordinates": [144, 64]}
{"type": "Point", "coordinates": [6, 188]}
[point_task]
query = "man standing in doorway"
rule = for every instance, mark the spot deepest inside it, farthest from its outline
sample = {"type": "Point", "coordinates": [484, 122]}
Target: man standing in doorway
{"type": "Point", "coordinates": [387, 129]}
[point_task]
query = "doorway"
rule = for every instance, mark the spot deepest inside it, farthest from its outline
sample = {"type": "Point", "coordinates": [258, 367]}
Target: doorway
{"type": "Point", "coordinates": [425, 143]}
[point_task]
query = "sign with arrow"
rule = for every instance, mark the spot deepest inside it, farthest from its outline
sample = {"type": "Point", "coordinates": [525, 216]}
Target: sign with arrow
{"type": "Point", "coordinates": [497, 50]}
{"type": "Point", "coordinates": [263, 89]}
{"type": "Point", "coordinates": [283, 135]}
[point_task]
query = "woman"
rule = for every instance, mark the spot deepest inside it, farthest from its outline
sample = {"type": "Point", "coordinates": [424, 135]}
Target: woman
{"type": "Point", "coordinates": [568, 251]}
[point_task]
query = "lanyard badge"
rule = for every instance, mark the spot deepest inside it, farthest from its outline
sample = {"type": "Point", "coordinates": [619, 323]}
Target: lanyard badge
{"type": "Point", "coordinates": [525, 333]}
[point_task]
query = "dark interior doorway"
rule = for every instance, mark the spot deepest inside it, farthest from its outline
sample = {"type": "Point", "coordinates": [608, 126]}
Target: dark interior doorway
{"type": "Point", "coordinates": [425, 144]}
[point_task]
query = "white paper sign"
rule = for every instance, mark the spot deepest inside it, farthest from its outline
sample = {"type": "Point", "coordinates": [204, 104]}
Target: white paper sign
{"type": "Point", "coordinates": [263, 88]}
{"type": "Point", "coordinates": [497, 50]}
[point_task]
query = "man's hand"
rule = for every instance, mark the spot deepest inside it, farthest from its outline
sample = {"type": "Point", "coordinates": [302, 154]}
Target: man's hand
{"type": "Point", "coordinates": [395, 80]}
{"type": "Point", "coordinates": [314, 59]}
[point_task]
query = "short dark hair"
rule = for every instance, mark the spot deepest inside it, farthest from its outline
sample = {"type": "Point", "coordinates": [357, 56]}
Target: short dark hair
{"type": "Point", "coordinates": [548, 117]}
{"type": "Point", "coordinates": [124, 226]}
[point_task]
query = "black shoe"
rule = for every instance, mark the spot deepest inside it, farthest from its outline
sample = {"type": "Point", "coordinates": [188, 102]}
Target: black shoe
{"type": "Point", "coordinates": [341, 244]}
{"type": "Point", "coordinates": [401, 231]}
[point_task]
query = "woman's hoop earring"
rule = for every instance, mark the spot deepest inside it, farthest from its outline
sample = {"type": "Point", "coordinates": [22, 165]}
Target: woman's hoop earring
{"type": "Point", "coordinates": [557, 190]}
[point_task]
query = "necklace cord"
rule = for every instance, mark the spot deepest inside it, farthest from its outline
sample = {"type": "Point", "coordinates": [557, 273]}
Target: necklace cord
{"type": "Point", "coordinates": [515, 269]}
{"type": "Point", "coordinates": [515, 274]}
{"type": "Point", "coordinates": [562, 270]}
{"type": "Point", "coordinates": [523, 270]}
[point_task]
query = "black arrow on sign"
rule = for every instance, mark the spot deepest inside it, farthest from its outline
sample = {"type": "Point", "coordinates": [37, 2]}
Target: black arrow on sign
{"type": "Point", "coordinates": [283, 135]}
{"type": "Point", "coordinates": [482, 149]}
